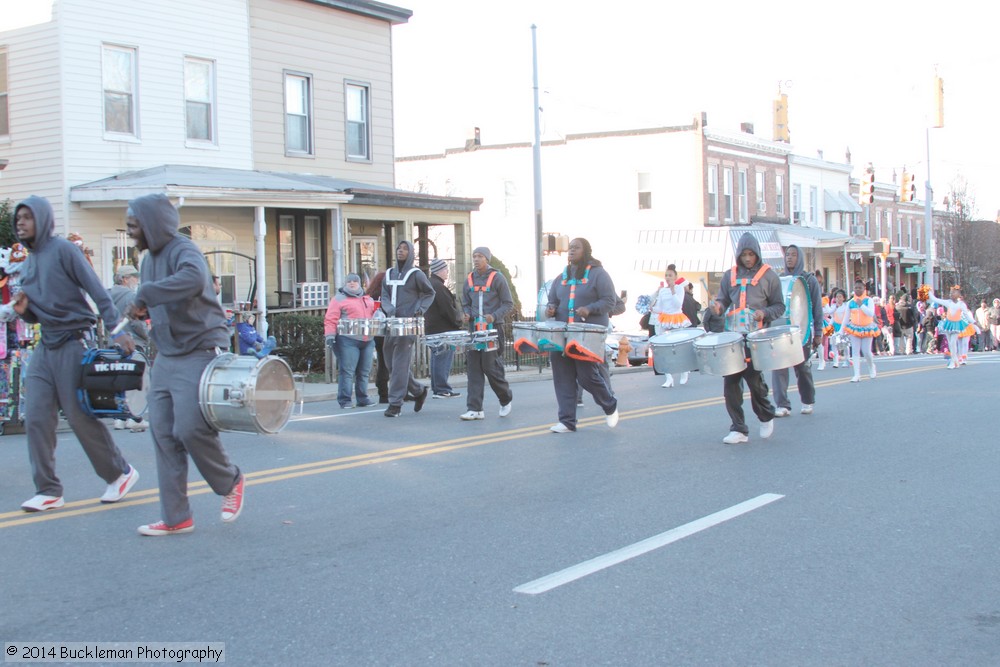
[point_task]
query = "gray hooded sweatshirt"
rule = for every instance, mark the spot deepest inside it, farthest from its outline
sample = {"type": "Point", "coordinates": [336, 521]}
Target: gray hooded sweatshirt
{"type": "Point", "coordinates": [55, 277]}
{"type": "Point", "coordinates": [175, 284]}
{"type": "Point", "coordinates": [766, 295]}
{"type": "Point", "coordinates": [414, 294]}
{"type": "Point", "coordinates": [815, 294]}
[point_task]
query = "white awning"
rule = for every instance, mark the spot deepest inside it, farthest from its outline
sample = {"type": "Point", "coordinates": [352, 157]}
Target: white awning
{"type": "Point", "coordinates": [701, 250]}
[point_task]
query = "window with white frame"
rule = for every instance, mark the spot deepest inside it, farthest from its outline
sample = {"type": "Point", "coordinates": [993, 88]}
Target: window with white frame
{"type": "Point", "coordinates": [118, 73]}
{"type": "Point", "coordinates": [713, 192]}
{"type": "Point", "coordinates": [813, 204]}
{"type": "Point", "coordinates": [743, 195]}
{"type": "Point", "coordinates": [760, 189]}
{"type": "Point", "coordinates": [298, 114]}
{"type": "Point", "coordinates": [199, 99]}
{"type": "Point", "coordinates": [797, 202]}
{"type": "Point", "coordinates": [358, 122]}
{"type": "Point", "coordinates": [645, 191]}
{"type": "Point", "coordinates": [727, 193]}
{"type": "Point", "coordinates": [313, 246]}
{"type": "Point", "coordinates": [779, 194]}
{"type": "Point", "coordinates": [4, 118]}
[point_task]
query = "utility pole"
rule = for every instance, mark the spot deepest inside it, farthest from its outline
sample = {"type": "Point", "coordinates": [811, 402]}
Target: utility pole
{"type": "Point", "coordinates": [928, 192]}
{"type": "Point", "coordinates": [537, 159]}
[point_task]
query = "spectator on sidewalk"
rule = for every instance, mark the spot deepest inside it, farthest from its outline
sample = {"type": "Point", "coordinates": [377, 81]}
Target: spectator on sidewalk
{"type": "Point", "coordinates": [442, 316]}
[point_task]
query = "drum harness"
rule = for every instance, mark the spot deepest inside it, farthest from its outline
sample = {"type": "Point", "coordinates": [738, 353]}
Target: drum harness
{"type": "Point", "coordinates": [742, 311]}
{"type": "Point", "coordinates": [480, 323]}
{"type": "Point", "coordinates": [574, 350]}
{"type": "Point", "coordinates": [396, 283]}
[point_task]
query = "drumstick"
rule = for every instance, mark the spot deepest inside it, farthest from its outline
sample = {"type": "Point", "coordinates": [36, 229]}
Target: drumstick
{"type": "Point", "coordinates": [120, 327]}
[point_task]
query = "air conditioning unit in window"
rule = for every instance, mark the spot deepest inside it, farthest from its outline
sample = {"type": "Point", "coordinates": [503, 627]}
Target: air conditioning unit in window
{"type": "Point", "coordinates": [762, 207]}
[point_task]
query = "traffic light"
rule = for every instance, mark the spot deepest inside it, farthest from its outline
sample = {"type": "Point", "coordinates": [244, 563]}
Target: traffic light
{"type": "Point", "coordinates": [781, 119]}
{"type": "Point", "coordinates": [881, 247]}
{"type": "Point", "coordinates": [866, 193]}
{"type": "Point", "coordinates": [907, 189]}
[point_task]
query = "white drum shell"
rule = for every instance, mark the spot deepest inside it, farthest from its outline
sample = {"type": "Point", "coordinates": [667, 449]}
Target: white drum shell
{"type": "Point", "coordinates": [721, 353]}
{"type": "Point", "coordinates": [245, 394]}
{"type": "Point", "coordinates": [591, 337]}
{"type": "Point", "coordinates": [547, 336]}
{"type": "Point", "coordinates": [453, 339]}
{"type": "Point", "coordinates": [673, 352]}
{"type": "Point", "coordinates": [361, 327]}
{"type": "Point", "coordinates": [404, 326]}
{"type": "Point", "coordinates": [776, 347]}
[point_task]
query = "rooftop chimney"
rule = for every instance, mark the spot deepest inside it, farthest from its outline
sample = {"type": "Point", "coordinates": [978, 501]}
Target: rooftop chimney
{"type": "Point", "coordinates": [473, 142]}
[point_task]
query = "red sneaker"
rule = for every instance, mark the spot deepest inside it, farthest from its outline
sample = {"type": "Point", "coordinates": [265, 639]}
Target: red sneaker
{"type": "Point", "coordinates": [161, 528]}
{"type": "Point", "coordinates": [232, 504]}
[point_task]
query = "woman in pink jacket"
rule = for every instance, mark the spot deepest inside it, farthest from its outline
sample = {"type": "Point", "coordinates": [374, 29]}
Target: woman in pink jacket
{"type": "Point", "coordinates": [354, 353]}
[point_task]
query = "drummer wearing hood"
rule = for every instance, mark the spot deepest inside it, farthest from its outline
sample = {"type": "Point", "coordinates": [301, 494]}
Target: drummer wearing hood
{"type": "Point", "coordinates": [406, 292]}
{"type": "Point", "coordinates": [189, 330]}
{"type": "Point", "coordinates": [750, 296]}
{"type": "Point", "coordinates": [795, 267]}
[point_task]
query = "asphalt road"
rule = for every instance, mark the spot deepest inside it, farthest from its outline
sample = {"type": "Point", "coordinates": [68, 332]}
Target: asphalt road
{"type": "Point", "coordinates": [872, 537]}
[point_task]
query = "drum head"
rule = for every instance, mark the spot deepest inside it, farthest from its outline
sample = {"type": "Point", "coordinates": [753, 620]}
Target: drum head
{"type": "Point", "coordinates": [721, 338]}
{"type": "Point", "coordinates": [677, 336]}
{"type": "Point", "coordinates": [274, 394]}
{"type": "Point", "coordinates": [773, 332]}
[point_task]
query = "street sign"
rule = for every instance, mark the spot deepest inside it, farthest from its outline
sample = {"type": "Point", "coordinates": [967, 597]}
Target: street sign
{"type": "Point", "coordinates": [914, 269]}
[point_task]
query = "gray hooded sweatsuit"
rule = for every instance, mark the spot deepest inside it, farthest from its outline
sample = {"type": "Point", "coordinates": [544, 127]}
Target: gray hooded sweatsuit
{"type": "Point", "coordinates": [411, 296]}
{"type": "Point", "coordinates": [188, 328]}
{"type": "Point", "coordinates": [803, 371]}
{"type": "Point", "coordinates": [55, 278]}
{"type": "Point", "coordinates": [765, 295]}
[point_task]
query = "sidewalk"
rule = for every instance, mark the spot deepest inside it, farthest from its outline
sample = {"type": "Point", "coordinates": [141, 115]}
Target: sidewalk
{"type": "Point", "coordinates": [314, 392]}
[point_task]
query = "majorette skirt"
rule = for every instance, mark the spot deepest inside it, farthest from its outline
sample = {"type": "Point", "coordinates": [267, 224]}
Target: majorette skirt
{"type": "Point", "coordinates": [968, 332]}
{"type": "Point", "coordinates": [953, 326]}
{"type": "Point", "coordinates": [861, 332]}
{"type": "Point", "coordinates": [673, 320]}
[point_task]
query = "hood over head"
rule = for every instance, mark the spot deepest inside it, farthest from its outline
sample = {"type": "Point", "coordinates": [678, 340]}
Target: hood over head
{"type": "Point", "coordinates": [158, 219]}
{"type": "Point", "coordinates": [800, 263]}
{"type": "Point", "coordinates": [45, 223]}
{"type": "Point", "coordinates": [748, 240]}
{"type": "Point", "coordinates": [408, 264]}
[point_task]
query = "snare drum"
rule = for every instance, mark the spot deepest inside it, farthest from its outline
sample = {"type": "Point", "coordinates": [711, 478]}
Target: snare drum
{"type": "Point", "coordinates": [453, 339]}
{"type": "Point", "coordinates": [404, 326]}
{"type": "Point", "coordinates": [721, 353]}
{"type": "Point", "coordinates": [484, 340]}
{"type": "Point", "coordinates": [776, 347]}
{"type": "Point", "coordinates": [109, 379]}
{"type": "Point", "coordinates": [246, 394]}
{"type": "Point", "coordinates": [673, 352]}
{"type": "Point", "coordinates": [361, 327]}
{"type": "Point", "coordinates": [586, 342]}
{"type": "Point", "coordinates": [535, 337]}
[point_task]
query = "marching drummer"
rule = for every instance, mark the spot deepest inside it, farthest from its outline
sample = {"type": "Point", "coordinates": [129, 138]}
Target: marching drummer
{"type": "Point", "coordinates": [486, 300]}
{"type": "Point", "coordinates": [812, 337]}
{"type": "Point", "coordinates": [189, 330]}
{"type": "Point", "coordinates": [353, 350]}
{"type": "Point", "coordinates": [750, 295]}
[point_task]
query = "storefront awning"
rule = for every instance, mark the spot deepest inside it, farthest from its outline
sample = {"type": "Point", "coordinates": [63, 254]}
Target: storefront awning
{"type": "Point", "coordinates": [807, 237]}
{"type": "Point", "coordinates": [701, 250]}
{"type": "Point", "coordinates": [840, 201]}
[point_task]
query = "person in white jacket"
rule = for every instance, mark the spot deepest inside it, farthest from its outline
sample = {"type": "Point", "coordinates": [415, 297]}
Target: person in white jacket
{"type": "Point", "coordinates": [666, 312]}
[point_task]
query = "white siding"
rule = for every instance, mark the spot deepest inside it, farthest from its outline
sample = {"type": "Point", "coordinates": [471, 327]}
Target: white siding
{"type": "Point", "coordinates": [34, 147]}
{"type": "Point", "coordinates": [332, 46]}
{"type": "Point", "coordinates": [163, 34]}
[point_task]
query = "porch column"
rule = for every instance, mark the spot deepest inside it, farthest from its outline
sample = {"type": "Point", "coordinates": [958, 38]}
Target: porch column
{"type": "Point", "coordinates": [338, 233]}
{"type": "Point", "coordinates": [259, 232]}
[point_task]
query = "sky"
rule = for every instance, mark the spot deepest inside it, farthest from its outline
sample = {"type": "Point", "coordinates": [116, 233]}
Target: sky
{"type": "Point", "coordinates": [858, 75]}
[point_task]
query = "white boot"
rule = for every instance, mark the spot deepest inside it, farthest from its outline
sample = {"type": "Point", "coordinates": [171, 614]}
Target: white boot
{"type": "Point", "coordinates": [669, 382]}
{"type": "Point", "coordinates": [684, 377]}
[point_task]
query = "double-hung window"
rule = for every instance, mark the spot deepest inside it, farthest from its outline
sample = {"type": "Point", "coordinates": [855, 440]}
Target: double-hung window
{"type": "Point", "coordinates": [118, 73]}
{"type": "Point", "coordinates": [4, 118]}
{"type": "Point", "coordinates": [713, 193]}
{"type": "Point", "coordinates": [199, 99]}
{"type": "Point", "coordinates": [727, 193]}
{"type": "Point", "coordinates": [358, 117]}
{"type": "Point", "coordinates": [298, 114]}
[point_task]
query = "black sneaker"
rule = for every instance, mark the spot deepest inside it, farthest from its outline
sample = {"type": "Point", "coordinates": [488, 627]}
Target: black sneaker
{"type": "Point", "coordinates": [418, 402]}
{"type": "Point", "coordinates": [446, 394]}
{"type": "Point", "coordinates": [392, 411]}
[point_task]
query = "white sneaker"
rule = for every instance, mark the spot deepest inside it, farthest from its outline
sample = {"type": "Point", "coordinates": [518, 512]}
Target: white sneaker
{"type": "Point", "coordinates": [782, 412]}
{"type": "Point", "coordinates": [684, 377]}
{"type": "Point", "coordinates": [807, 409]}
{"type": "Point", "coordinates": [856, 378]}
{"type": "Point", "coordinates": [766, 429]}
{"type": "Point", "coordinates": [471, 415]}
{"type": "Point", "coordinates": [135, 426]}
{"type": "Point", "coordinates": [612, 419]}
{"type": "Point", "coordinates": [836, 365]}
{"type": "Point", "coordinates": [119, 424]}
{"type": "Point", "coordinates": [505, 409]}
{"type": "Point", "coordinates": [822, 366]}
{"type": "Point", "coordinates": [121, 486]}
{"type": "Point", "coordinates": [42, 502]}
{"type": "Point", "coordinates": [735, 438]}
{"type": "Point", "coordinates": [669, 382]}
{"type": "Point", "coordinates": [559, 427]}
{"type": "Point", "coordinates": [871, 372]}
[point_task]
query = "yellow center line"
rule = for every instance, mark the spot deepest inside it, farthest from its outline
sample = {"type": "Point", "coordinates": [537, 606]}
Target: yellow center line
{"type": "Point", "coordinates": [148, 496]}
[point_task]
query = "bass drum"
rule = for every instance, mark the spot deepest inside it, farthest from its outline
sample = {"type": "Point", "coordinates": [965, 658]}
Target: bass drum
{"type": "Point", "coordinates": [245, 394]}
{"type": "Point", "coordinates": [798, 309]}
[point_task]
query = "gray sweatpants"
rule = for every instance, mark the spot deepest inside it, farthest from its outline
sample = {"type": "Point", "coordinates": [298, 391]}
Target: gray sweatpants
{"type": "Point", "coordinates": [180, 430]}
{"type": "Point", "coordinates": [483, 366]}
{"type": "Point", "coordinates": [51, 383]}
{"type": "Point", "coordinates": [398, 358]}
{"type": "Point", "coordinates": [804, 377]}
{"type": "Point", "coordinates": [566, 373]}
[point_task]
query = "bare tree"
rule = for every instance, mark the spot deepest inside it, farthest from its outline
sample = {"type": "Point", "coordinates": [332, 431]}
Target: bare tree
{"type": "Point", "coordinates": [974, 245]}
